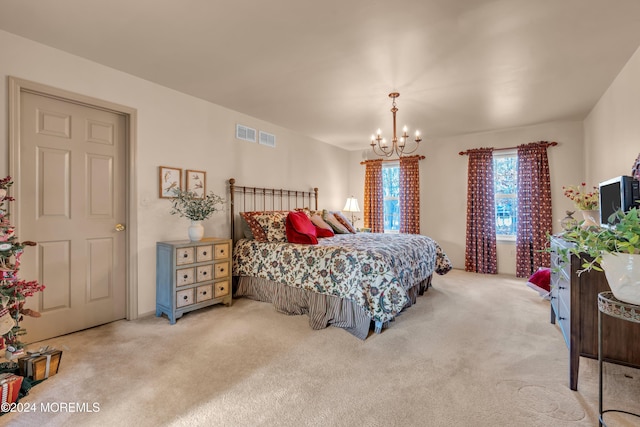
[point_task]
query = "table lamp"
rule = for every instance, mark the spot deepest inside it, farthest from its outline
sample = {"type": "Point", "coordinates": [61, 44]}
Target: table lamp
{"type": "Point", "coordinates": [352, 206]}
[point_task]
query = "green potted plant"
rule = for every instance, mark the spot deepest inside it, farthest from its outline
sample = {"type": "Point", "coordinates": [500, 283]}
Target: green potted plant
{"type": "Point", "coordinates": [196, 208]}
{"type": "Point", "coordinates": [614, 249]}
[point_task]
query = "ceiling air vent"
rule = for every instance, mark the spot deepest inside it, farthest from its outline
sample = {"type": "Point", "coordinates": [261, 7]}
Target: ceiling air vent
{"type": "Point", "coordinates": [267, 139]}
{"type": "Point", "coordinates": [245, 133]}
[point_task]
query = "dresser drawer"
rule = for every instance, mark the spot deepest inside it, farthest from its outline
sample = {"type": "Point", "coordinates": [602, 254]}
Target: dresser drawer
{"type": "Point", "coordinates": [184, 256]}
{"type": "Point", "coordinates": [221, 288]}
{"type": "Point", "coordinates": [553, 297]}
{"type": "Point", "coordinates": [204, 293]}
{"type": "Point", "coordinates": [564, 324]}
{"type": "Point", "coordinates": [565, 272]}
{"type": "Point", "coordinates": [203, 273]}
{"type": "Point", "coordinates": [221, 251]}
{"type": "Point", "coordinates": [564, 309]}
{"type": "Point", "coordinates": [204, 253]}
{"type": "Point", "coordinates": [184, 276]}
{"type": "Point", "coordinates": [221, 270]}
{"type": "Point", "coordinates": [564, 292]}
{"type": "Point", "coordinates": [184, 298]}
{"type": "Point", "coordinates": [564, 321]}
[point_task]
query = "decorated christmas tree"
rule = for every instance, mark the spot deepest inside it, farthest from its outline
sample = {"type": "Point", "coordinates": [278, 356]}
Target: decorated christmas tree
{"type": "Point", "coordinates": [13, 290]}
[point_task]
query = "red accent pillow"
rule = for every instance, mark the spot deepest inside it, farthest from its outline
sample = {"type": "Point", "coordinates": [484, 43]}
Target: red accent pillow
{"type": "Point", "coordinates": [540, 281]}
{"type": "Point", "coordinates": [300, 229]}
{"type": "Point", "coordinates": [323, 232]}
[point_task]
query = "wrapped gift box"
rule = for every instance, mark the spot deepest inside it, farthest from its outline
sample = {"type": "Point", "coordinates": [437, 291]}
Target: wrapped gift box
{"type": "Point", "coordinates": [9, 387]}
{"type": "Point", "coordinates": [39, 366]}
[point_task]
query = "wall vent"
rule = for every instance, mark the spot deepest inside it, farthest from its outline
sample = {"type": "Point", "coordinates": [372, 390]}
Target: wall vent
{"type": "Point", "coordinates": [245, 133]}
{"type": "Point", "coordinates": [267, 139]}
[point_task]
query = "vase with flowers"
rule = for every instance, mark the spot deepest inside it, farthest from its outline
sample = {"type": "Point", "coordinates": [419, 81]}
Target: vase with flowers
{"type": "Point", "coordinates": [196, 208]}
{"type": "Point", "coordinates": [586, 200]}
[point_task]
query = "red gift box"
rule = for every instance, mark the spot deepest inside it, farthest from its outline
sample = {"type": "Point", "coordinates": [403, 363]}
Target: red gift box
{"type": "Point", "coordinates": [9, 387]}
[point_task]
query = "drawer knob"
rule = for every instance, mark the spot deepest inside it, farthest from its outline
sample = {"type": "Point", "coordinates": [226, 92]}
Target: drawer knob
{"type": "Point", "coordinates": [562, 318]}
{"type": "Point", "coordinates": [185, 297]}
{"type": "Point", "coordinates": [204, 252]}
{"type": "Point", "coordinates": [185, 276]}
{"type": "Point", "coordinates": [204, 292]}
{"type": "Point", "coordinates": [222, 288]}
{"type": "Point", "coordinates": [204, 273]}
{"type": "Point", "coordinates": [185, 256]}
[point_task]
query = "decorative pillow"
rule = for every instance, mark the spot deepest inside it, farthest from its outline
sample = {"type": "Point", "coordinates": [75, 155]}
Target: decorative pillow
{"type": "Point", "coordinates": [246, 230]}
{"type": "Point", "coordinates": [323, 232]}
{"type": "Point", "coordinates": [259, 223]}
{"type": "Point", "coordinates": [317, 220]}
{"type": "Point", "coordinates": [540, 281]}
{"type": "Point", "coordinates": [255, 227]}
{"type": "Point", "coordinates": [344, 221]}
{"type": "Point", "coordinates": [300, 229]}
{"type": "Point", "coordinates": [273, 225]}
{"type": "Point", "coordinates": [334, 223]}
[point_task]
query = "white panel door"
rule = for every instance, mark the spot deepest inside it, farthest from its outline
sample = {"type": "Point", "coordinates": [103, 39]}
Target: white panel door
{"type": "Point", "coordinates": [73, 186]}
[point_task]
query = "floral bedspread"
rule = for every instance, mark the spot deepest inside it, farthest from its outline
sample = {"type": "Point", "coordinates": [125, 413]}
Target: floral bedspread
{"type": "Point", "coordinates": [373, 270]}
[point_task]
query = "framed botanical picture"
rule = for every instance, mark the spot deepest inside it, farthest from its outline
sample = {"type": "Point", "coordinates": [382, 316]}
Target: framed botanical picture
{"type": "Point", "coordinates": [196, 183]}
{"type": "Point", "coordinates": [169, 180]}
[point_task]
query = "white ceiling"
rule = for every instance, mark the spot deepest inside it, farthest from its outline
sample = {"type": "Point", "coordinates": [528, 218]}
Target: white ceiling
{"type": "Point", "coordinates": [325, 68]}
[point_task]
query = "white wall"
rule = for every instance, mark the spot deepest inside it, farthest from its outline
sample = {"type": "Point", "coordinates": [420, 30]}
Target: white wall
{"type": "Point", "coordinates": [612, 129]}
{"type": "Point", "coordinates": [178, 130]}
{"type": "Point", "coordinates": [443, 181]}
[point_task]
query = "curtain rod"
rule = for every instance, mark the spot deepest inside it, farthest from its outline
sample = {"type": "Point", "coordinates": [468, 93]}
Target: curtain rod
{"type": "Point", "coordinates": [390, 160]}
{"type": "Point", "coordinates": [545, 143]}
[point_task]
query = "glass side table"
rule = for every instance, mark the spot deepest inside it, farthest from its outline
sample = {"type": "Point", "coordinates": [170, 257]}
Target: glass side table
{"type": "Point", "coordinates": [611, 306]}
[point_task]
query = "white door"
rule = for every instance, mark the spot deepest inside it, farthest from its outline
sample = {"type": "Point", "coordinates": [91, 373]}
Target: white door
{"type": "Point", "coordinates": [72, 203]}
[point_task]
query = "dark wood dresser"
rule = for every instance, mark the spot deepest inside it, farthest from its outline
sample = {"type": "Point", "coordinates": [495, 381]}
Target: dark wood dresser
{"type": "Point", "coordinates": [574, 305]}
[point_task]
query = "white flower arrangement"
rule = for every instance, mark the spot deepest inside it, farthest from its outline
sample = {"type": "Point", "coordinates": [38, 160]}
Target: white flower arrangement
{"type": "Point", "coordinates": [188, 204]}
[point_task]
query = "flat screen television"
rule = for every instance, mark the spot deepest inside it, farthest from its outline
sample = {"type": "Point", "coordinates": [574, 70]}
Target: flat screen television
{"type": "Point", "coordinates": [622, 192]}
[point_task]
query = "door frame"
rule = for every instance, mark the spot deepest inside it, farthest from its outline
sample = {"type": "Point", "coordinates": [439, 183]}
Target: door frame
{"type": "Point", "coordinates": [16, 87]}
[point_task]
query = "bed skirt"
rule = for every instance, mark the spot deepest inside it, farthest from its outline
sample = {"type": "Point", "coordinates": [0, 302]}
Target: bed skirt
{"type": "Point", "coordinates": [323, 310]}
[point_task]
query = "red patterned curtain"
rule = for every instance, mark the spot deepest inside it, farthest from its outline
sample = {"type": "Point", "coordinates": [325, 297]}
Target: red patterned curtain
{"type": "Point", "coordinates": [373, 197]}
{"type": "Point", "coordinates": [480, 253]}
{"type": "Point", "coordinates": [534, 208]}
{"type": "Point", "coordinates": [410, 195]}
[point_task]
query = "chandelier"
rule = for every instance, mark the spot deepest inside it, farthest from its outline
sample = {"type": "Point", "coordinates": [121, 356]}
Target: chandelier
{"type": "Point", "coordinates": [398, 145]}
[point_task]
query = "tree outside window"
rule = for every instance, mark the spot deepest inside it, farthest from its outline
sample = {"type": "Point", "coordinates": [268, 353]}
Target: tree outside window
{"type": "Point", "coordinates": [505, 175]}
{"type": "Point", "coordinates": [391, 194]}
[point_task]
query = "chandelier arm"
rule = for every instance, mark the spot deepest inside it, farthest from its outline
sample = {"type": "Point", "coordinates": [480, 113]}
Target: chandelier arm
{"type": "Point", "coordinates": [382, 152]}
{"type": "Point", "coordinates": [404, 151]}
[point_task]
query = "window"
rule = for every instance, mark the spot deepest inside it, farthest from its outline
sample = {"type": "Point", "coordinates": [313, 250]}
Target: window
{"type": "Point", "coordinates": [391, 194]}
{"type": "Point", "coordinates": [505, 176]}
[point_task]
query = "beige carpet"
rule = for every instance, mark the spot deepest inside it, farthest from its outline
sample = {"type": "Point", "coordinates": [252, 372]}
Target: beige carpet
{"type": "Point", "coordinates": [476, 350]}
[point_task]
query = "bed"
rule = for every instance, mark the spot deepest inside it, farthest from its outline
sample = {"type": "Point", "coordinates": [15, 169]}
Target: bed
{"type": "Point", "coordinates": [352, 281]}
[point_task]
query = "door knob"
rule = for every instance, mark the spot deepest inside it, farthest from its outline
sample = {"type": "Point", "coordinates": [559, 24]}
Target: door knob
{"type": "Point", "coordinates": [120, 227]}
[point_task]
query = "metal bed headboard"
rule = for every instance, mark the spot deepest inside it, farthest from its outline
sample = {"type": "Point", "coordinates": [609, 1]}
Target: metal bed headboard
{"type": "Point", "coordinates": [263, 199]}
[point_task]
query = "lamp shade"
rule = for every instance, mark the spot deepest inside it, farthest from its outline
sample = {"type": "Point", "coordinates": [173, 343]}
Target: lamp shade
{"type": "Point", "coordinates": [351, 205]}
